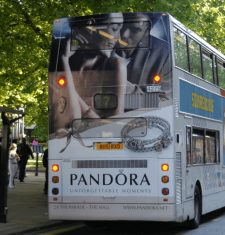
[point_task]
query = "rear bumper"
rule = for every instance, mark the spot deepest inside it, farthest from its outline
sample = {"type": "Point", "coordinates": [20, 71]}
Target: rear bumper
{"type": "Point", "coordinates": [143, 212]}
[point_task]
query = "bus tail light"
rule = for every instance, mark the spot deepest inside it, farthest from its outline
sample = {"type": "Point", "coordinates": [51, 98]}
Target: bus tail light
{"type": "Point", "coordinates": [165, 179]}
{"type": "Point", "coordinates": [55, 191]}
{"type": "Point", "coordinates": [61, 81]}
{"type": "Point", "coordinates": [55, 167]}
{"type": "Point", "coordinates": [55, 179]}
{"type": "Point", "coordinates": [165, 167]}
{"type": "Point", "coordinates": [156, 79]}
{"type": "Point", "coordinates": [165, 191]}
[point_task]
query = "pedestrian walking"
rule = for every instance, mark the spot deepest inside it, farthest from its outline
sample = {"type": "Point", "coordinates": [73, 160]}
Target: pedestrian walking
{"type": "Point", "coordinates": [35, 145]}
{"type": "Point", "coordinates": [24, 151]}
{"type": "Point", "coordinates": [13, 164]}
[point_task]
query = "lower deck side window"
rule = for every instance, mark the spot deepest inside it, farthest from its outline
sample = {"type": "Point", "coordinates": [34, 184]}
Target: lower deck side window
{"type": "Point", "coordinates": [202, 146]}
{"type": "Point", "coordinates": [197, 146]}
{"type": "Point", "coordinates": [211, 147]}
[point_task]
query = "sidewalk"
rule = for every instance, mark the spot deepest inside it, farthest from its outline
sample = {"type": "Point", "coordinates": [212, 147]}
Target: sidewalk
{"type": "Point", "coordinates": [27, 206]}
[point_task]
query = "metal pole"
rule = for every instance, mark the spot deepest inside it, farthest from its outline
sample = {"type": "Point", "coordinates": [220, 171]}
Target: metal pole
{"type": "Point", "coordinates": [37, 153]}
{"type": "Point", "coordinates": [4, 173]}
{"type": "Point", "coordinates": [4, 153]}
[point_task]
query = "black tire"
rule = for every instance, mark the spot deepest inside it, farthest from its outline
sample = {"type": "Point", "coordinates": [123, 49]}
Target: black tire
{"type": "Point", "coordinates": [195, 222]}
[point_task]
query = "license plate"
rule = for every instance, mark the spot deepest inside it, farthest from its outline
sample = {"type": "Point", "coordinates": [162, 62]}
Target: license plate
{"type": "Point", "coordinates": [109, 146]}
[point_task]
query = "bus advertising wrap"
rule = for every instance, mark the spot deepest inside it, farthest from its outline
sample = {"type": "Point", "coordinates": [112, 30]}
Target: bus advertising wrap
{"type": "Point", "coordinates": [107, 67]}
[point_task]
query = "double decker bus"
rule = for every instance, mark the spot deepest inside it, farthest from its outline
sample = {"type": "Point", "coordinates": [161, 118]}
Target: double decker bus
{"type": "Point", "coordinates": [136, 120]}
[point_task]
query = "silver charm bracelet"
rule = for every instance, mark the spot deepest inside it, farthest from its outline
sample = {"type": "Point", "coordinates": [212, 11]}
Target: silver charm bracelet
{"type": "Point", "coordinates": [155, 144]}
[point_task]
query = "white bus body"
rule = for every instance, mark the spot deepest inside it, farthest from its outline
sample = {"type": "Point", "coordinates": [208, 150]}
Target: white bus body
{"type": "Point", "coordinates": [161, 158]}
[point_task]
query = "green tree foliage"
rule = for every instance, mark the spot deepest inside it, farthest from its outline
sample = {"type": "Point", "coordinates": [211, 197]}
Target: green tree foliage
{"type": "Point", "coordinates": [25, 37]}
{"type": "Point", "coordinates": [209, 21]}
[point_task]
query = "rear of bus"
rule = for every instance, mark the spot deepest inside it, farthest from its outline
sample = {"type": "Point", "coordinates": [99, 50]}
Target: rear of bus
{"type": "Point", "coordinates": [111, 154]}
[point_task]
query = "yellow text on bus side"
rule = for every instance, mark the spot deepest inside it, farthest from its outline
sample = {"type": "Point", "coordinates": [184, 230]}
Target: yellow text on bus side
{"type": "Point", "coordinates": [202, 102]}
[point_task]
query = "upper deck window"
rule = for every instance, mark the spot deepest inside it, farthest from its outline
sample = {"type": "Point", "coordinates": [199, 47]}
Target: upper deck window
{"type": "Point", "coordinates": [110, 35]}
{"type": "Point", "coordinates": [195, 58]}
{"type": "Point", "coordinates": [207, 66]}
{"type": "Point", "coordinates": [180, 47]}
{"type": "Point", "coordinates": [221, 73]}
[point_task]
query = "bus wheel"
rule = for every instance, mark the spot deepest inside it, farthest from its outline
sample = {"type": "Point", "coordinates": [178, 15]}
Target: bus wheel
{"type": "Point", "coordinates": [194, 223]}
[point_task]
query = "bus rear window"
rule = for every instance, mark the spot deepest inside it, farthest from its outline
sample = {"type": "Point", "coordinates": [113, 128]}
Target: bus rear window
{"type": "Point", "coordinates": [109, 36]}
{"type": "Point", "coordinates": [109, 128]}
